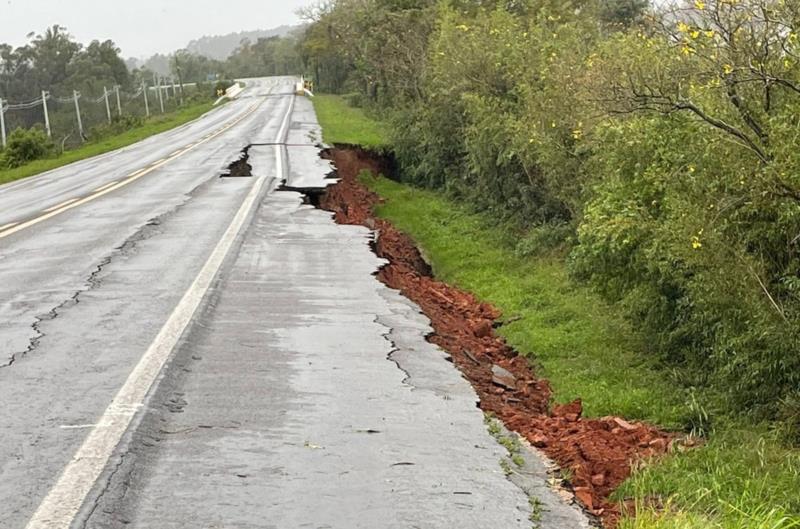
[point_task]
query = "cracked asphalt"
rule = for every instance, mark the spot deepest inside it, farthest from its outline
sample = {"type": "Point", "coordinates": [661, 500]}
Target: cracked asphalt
{"type": "Point", "coordinates": [301, 394]}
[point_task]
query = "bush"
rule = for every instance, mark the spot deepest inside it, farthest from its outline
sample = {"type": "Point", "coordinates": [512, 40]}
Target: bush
{"type": "Point", "coordinates": [545, 238]}
{"type": "Point", "coordinates": [118, 125]}
{"type": "Point", "coordinates": [25, 145]}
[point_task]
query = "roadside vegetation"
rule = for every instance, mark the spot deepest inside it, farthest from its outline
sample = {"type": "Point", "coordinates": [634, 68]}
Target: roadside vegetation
{"type": "Point", "coordinates": [654, 148]}
{"type": "Point", "coordinates": [745, 475]}
{"type": "Point", "coordinates": [30, 152]}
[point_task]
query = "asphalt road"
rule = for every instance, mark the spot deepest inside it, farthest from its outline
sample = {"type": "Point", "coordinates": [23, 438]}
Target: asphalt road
{"type": "Point", "coordinates": [184, 350]}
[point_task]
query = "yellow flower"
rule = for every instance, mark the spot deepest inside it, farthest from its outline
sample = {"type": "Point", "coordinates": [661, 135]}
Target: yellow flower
{"type": "Point", "coordinates": [727, 68]}
{"type": "Point", "coordinates": [696, 244]}
{"type": "Point", "coordinates": [699, 4]}
{"type": "Point", "coordinates": [695, 33]}
{"type": "Point", "coordinates": [462, 27]}
{"type": "Point", "coordinates": [691, 169]}
{"type": "Point", "coordinates": [682, 27]}
{"type": "Point", "coordinates": [710, 33]}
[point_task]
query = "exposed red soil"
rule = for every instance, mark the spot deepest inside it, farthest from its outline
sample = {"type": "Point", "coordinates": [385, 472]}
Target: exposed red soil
{"type": "Point", "coordinates": [598, 453]}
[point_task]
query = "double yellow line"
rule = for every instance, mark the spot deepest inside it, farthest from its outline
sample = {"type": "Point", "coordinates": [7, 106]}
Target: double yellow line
{"type": "Point", "coordinates": [14, 227]}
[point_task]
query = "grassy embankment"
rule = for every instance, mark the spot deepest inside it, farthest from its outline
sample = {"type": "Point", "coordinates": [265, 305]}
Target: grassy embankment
{"type": "Point", "coordinates": [742, 478]}
{"type": "Point", "coordinates": [154, 125]}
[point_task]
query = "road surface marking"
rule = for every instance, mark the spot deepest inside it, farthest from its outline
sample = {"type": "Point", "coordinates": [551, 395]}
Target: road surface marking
{"type": "Point", "coordinates": [61, 505]}
{"type": "Point", "coordinates": [70, 204]}
{"type": "Point", "coordinates": [10, 225]}
{"type": "Point", "coordinates": [136, 172]}
{"type": "Point", "coordinates": [106, 186]}
{"type": "Point", "coordinates": [58, 206]}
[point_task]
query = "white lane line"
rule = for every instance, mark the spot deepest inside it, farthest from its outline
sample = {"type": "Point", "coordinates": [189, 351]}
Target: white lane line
{"type": "Point", "coordinates": [59, 206]}
{"type": "Point", "coordinates": [70, 204]}
{"type": "Point", "coordinates": [62, 503]}
{"type": "Point", "coordinates": [9, 225]}
{"type": "Point", "coordinates": [106, 186]}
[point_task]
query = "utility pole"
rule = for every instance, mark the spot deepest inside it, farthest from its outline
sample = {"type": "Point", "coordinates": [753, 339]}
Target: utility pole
{"type": "Point", "coordinates": [75, 97]}
{"type": "Point", "coordinates": [146, 105]}
{"type": "Point", "coordinates": [119, 106]}
{"type": "Point", "coordinates": [108, 107]}
{"type": "Point", "coordinates": [180, 76]}
{"type": "Point", "coordinates": [45, 95]}
{"type": "Point", "coordinates": [2, 123]}
{"type": "Point", "coordinates": [166, 88]}
{"type": "Point", "coordinates": [160, 96]}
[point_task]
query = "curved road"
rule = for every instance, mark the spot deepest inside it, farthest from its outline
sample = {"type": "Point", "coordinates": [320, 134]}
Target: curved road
{"type": "Point", "coordinates": [184, 350]}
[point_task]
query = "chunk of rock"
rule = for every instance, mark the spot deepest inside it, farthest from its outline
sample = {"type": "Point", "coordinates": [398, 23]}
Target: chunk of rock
{"type": "Point", "coordinates": [482, 329]}
{"type": "Point", "coordinates": [539, 440]}
{"type": "Point", "coordinates": [625, 425]}
{"type": "Point", "coordinates": [503, 377]}
{"type": "Point", "coordinates": [571, 412]}
{"type": "Point", "coordinates": [584, 495]}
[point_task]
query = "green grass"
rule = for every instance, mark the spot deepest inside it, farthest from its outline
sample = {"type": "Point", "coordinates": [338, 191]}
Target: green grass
{"type": "Point", "coordinates": [743, 477]}
{"type": "Point", "coordinates": [154, 125]}
{"type": "Point", "coordinates": [577, 341]}
{"type": "Point", "coordinates": [348, 125]}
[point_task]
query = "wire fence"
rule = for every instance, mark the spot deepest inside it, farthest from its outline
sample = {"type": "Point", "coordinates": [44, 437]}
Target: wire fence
{"type": "Point", "coordinates": [70, 119]}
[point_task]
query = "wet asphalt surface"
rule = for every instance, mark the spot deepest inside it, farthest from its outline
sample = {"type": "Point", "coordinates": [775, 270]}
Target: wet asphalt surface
{"type": "Point", "coordinates": [303, 393]}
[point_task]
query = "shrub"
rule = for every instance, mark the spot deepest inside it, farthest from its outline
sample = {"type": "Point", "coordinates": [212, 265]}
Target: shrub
{"type": "Point", "coordinates": [25, 145]}
{"type": "Point", "coordinates": [118, 125]}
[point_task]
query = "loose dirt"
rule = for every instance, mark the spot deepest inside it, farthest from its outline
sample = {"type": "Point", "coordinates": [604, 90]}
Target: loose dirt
{"type": "Point", "coordinates": [596, 453]}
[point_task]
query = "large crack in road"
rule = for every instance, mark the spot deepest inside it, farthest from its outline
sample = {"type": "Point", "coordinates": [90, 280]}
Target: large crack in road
{"type": "Point", "coordinates": [92, 281]}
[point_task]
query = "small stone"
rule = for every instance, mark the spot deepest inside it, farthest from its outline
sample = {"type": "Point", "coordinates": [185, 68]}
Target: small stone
{"type": "Point", "coordinates": [482, 329]}
{"type": "Point", "coordinates": [625, 425]}
{"type": "Point", "coordinates": [503, 377]}
{"type": "Point", "coordinates": [570, 411]}
{"type": "Point", "coordinates": [598, 480]}
{"type": "Point", "coordinates": [539, 440]}
{"type": "Point", "coordinates": [659, 444]}
{"type": "Point", "coordinates": [584, 495]}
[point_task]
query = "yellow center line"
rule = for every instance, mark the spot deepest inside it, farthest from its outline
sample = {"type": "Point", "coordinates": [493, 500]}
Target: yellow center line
{"type": "Point", "coordinates": [10, 229]}
{"type": "Point", "coordinates": [65, 203]}
{"type": "Point", "coordinates": [107, 185]}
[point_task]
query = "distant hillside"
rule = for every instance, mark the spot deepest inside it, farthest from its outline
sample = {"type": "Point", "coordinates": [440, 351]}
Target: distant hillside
{"type": "Point", "coordinates": [221, 46]}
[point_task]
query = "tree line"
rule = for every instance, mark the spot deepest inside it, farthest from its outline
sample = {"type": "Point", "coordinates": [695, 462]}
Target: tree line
{"type": "Point", "coordinates": [655, 147]}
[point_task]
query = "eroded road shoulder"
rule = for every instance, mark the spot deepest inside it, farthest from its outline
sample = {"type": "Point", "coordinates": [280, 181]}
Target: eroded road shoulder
{"type": "Point", "coordinates": [284, 406]}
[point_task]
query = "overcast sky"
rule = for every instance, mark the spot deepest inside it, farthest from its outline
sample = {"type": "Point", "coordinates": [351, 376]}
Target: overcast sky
{"type": "Point", "coordinates": [143, 27]}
